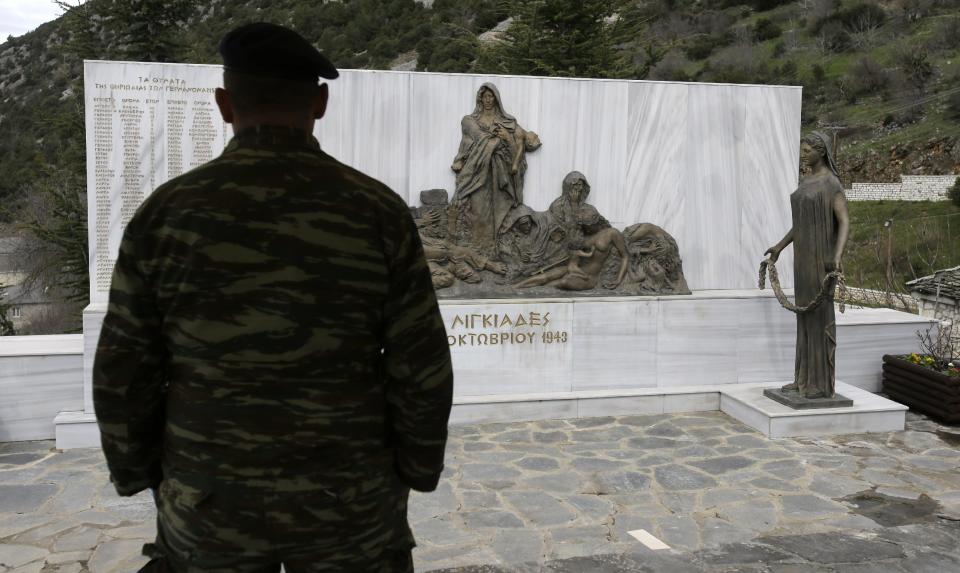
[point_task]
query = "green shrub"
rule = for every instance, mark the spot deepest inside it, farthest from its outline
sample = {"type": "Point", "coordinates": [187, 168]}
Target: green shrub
{"type": "Point", "coordinates": [701, 46]}
{"type": "Point", "coordinates": [953, 106]}
{"type": "Point", "coordinates": [758, 5]}
{"type": "Point", "coordinates": [736, 65]}
{"type": "Point", "coordinates": [916, 66]}
{"type": "Point", "coordinates": [867, 77]}
{"type": "Point", "coordinates": [672, 67]}
{"type": "Point", "coordinates": [954, 192]}
{"type": "Point", "coordinates": [452, 53]}
{"type": "Point", "coordinates": [946, 36]}
{"type": "Point", "coordinates": [861, 16]}
{"type": "Point", "coordinates": [779, 49]}
{"type": "Point", "coordinates": [835, 37]}
{"type": "Point", "coordinates": [6, 325]}
{"type": "Point", "coordinates": [766, 29]}
{"type": "Point", "coordinates": [787, 73]}
{"type": "Point", "coordinates": [818, 73]}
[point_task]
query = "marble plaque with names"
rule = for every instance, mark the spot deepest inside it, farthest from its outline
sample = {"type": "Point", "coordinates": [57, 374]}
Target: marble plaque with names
{"type": "Point", "coordinates": [146, 123]}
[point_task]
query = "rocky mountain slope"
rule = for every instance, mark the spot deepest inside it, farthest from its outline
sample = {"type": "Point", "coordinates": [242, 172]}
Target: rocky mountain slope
{"type": "Point", "coordinates": [882, 74]}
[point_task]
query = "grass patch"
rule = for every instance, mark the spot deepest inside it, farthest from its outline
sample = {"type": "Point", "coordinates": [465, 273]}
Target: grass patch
{"type": "Point", "coordinates": [924, 237]}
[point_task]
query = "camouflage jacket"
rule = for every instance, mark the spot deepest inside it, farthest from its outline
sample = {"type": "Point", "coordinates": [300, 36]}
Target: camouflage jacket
{"type": "Point", "coordinates": [272, 322]}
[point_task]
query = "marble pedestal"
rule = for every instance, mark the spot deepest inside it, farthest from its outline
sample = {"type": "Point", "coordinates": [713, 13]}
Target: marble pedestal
{"type": "Point", "coordinates": [868, 413]}
{"type": "Point", "coordinates": [793, 399]}
{"type": "Point", "coordinates": [524, 359]}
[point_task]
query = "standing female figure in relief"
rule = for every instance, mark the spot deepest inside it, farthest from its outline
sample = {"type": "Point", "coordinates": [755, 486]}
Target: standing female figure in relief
{"type": "Point", "coordinates": [490, 167]}
{"type": "Point", "coordinates": [819, 233]}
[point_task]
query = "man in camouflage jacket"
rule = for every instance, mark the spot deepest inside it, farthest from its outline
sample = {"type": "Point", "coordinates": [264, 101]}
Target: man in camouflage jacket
{"type": "Point", "coordinates": [273, 361]}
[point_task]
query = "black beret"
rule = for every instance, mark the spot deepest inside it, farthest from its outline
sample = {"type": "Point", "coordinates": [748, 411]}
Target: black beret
{"type": "Point", "coordinates": [271, 51]}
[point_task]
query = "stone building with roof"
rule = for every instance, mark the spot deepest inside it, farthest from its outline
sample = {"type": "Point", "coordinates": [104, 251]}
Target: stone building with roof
{"type": "Point", "coordinates": [939, 296]}
{"type": "Point", "coordinates": [26, 306]}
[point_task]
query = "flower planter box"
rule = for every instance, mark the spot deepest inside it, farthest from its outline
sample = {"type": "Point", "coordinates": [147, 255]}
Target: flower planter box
{"type": "Point", "coordinates": [921, 388]}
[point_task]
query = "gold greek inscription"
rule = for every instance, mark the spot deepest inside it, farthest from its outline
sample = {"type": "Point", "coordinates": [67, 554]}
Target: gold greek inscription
{"type": "Point", "coordinates": [554, 337]}
{"type": "Point", "coordinates": [509, 331]}
{"type": "Point", "coordinates": [497, 320]}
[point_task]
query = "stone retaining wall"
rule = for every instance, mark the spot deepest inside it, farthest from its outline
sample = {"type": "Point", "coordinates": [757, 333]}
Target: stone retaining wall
{"type": "Point", "coordinates": [870, 297]}
{"type": "Point", "coordinates": [910, 188]}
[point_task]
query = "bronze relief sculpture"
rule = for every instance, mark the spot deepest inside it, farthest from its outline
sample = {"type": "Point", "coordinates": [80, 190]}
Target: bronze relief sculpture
{"type": "Point", "coordinates": [655, 260]}
{"type": "Point", "coordinates": [573, 195]}
{"type": "Point", "coordinates": [819, 234]}
{"type": "Point", "coordinates": [485, 242]}
{"type": "Point", "coordinates": [490, 166]}
{"type": "Point", "coordinates": [585, 263]}
{"type": "Point", "coordinates": [531, 238]}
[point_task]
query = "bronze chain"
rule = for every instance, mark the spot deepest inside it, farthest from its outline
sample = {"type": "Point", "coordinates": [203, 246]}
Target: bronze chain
{"type": "Point", "coordinates": [768, 267]}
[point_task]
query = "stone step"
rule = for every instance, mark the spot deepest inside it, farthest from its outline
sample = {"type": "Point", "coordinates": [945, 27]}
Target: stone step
{"type": "Point", "coordinates": [869, 413]}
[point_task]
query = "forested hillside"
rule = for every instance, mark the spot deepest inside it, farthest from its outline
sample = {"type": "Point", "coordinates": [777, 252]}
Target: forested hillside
{"type": "Point", "coordinates": [883, 75]}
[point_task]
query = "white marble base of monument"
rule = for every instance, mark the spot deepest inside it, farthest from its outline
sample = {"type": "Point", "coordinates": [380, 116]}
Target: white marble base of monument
{"type": "Point", "coordinates": [527, 359]}
{"type": "Point", "coordinates": [869, 413]}
{"type": "Point", "coordinates": [745, 402]}
{"type": "Point", "coordinates": [76, 430]}
{"type": "Point", "coordinates": [663, 343]}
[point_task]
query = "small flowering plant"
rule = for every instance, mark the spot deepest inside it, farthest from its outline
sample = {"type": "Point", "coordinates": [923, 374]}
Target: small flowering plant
{"type": "Point", "coordinates": [938, 351]}
{"type": "Point", "coordinates": [930, 362]}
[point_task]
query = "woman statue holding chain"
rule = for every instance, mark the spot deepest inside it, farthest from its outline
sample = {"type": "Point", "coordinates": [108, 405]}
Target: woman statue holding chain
{"type": "Point", "coordinates": [819, 233]}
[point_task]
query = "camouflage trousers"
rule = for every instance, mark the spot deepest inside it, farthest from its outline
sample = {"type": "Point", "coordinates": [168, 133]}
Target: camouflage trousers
{"type": "Point", "coordinates": [220, 528]}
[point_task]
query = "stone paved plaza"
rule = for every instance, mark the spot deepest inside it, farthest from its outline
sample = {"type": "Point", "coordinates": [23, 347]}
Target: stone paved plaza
{"type": "Point", "coordinates": [562, 495]}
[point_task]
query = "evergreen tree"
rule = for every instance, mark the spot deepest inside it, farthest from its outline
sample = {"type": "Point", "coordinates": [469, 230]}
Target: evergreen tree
{"type": "Point", "coordinates": [147, 30]}
{"type": "Point", "coordinates": [81, 29]}
{"type": "Point", "coordinates": [53, 223]}
{"type": "Point", "coordinates": [564, 38]}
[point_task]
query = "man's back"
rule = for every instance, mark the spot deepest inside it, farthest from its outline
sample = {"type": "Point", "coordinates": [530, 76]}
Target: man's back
{"type": "Point", "coordinates": [271, 268]}
{"type": "Point", "coordinates": [273, 363]}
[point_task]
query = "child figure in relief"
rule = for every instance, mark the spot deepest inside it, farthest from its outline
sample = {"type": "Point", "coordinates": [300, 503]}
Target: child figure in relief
{"type": "Point", "coordinates": [585, 264]}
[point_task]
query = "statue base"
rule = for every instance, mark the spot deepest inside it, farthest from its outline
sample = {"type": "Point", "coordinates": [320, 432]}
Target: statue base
{"type": "Point", "coordinates": [793, 399]}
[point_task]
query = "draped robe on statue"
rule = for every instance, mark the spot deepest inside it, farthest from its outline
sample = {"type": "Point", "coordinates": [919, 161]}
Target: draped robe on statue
{"type": "Point", "coordinates": [485, 182]}
{"type": "Point", "coordinates": [814, 243]}
{"type": "Point", "coordinates": [536, 246]}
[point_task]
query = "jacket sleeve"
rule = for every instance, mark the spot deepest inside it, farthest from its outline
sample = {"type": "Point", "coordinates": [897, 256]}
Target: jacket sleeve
{"type": "Point", "coordinates": [128, 392]}
{"type": "Point", "coordinates": [417, 367]}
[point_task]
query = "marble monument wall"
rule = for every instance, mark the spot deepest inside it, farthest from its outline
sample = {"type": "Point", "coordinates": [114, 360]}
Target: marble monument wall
{"type": "Point", "coordinates": [711, 164]}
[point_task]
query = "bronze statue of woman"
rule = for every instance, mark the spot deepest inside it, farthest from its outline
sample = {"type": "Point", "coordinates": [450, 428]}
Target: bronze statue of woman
{"type": "Point", "coordinates": [819, 233]}
{"type": "Point", "coordinates": [489, 169]}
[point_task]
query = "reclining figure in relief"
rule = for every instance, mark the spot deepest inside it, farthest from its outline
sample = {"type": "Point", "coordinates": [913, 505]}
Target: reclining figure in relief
{"type": "Point", "coordinates": [447, 260]}
{"type": "Point", "coordinates": [585, 265]}
{"type": "Point", "coordinates": [655, 264]}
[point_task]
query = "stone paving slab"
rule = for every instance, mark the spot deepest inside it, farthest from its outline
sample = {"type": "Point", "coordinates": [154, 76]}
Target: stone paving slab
{"type": "Point", "coordinates": [563, 495]}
